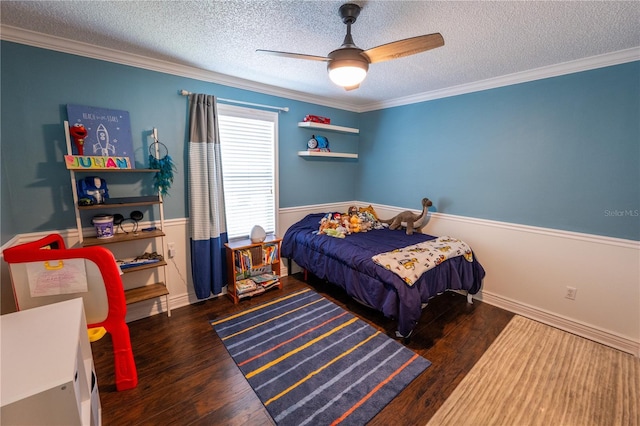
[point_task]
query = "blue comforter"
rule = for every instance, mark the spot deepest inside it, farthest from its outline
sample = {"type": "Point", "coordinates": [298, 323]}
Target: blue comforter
{"type": "Point", "coordinates": [347, 263]}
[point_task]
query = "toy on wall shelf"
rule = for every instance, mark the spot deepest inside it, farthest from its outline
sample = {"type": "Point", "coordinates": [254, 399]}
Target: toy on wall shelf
{"type": "Point", "coordinates": [317, 119]}
{"type": "Point", "coordinates": [92, 190]}
{"type": "Point", "coordinates": [318, 144]}
{"type": "Point", "coordinates": [78, 133]}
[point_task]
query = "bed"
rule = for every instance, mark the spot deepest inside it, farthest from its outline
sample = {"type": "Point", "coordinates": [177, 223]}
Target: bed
{"type": "Point", "coordinates": [347, 262]}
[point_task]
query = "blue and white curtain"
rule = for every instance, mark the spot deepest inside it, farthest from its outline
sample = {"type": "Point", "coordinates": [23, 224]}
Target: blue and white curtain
{"type": "Point", "coordinates": [207, 223]}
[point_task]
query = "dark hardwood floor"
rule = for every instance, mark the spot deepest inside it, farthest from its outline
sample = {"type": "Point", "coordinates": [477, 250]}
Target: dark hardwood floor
{"type": "Point", "coordinates": [186, 376]}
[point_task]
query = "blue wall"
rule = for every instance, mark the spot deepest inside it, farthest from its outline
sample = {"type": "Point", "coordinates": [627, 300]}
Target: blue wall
{"type": "Point", "coordinates": [36, 86]}
{"type": "Point", "coordinates": [561, 153]}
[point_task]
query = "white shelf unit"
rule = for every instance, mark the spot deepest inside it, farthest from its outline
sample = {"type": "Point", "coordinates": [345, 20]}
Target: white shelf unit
{"type": "Point", "coordinates": [330, 128]}
{"type": "Point", "coordinates": [326, 154]}
{"type": "Point", "coordinates": [48, 377]}
{"type": "Point", "coordinates": [133, 293]}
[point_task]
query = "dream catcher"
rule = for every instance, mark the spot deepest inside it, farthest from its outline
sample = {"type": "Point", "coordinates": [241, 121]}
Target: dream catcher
{"type": "Point", "coordinates": [159, 159]}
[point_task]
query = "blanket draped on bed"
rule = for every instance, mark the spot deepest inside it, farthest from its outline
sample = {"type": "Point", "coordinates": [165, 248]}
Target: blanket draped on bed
{"type": "Point", "coordinates": [410, 262]}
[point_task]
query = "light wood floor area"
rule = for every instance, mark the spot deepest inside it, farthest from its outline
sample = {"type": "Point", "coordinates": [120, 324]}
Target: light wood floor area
{"type": "Point", "coordinates": [187, 377]}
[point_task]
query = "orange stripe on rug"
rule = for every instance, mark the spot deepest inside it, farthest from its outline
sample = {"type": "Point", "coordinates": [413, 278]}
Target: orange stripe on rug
{"type": "Point", "coordinates": [290, 340]}
{"type": "Point", "coordinates": [313, 373]}
{"type": "Point", "coordinates": [257, 308]}
{"type": "Point", "coordinates": [373, 391]}
{"type": "Point", "coordinates": [295, 351]}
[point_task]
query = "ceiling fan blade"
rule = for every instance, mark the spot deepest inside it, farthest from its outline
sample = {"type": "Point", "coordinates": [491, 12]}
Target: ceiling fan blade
{"type": "Point", "coordinates": [406, 47]}
{"type": "Point", "coordinates": [294, 55]}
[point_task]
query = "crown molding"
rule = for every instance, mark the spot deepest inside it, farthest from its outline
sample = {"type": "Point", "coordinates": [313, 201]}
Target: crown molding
{"type": "Point", "coordinates": [58, 44]}
{"type": "Point", "coordinates": [44, 41]}
{"type": "Point", "coordinates": [584, 64]}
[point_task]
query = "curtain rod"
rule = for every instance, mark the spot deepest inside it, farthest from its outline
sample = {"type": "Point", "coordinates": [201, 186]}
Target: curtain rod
{"type": "Point", "coordinates": [231, 101]}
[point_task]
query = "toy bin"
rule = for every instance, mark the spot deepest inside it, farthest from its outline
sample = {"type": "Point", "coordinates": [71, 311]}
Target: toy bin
{"type": "Point", "coordinates": [104, 226]}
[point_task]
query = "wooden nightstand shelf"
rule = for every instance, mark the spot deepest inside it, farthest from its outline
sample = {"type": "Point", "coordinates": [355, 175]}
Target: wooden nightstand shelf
{"type": "Point", "coordinates": [258, 260]}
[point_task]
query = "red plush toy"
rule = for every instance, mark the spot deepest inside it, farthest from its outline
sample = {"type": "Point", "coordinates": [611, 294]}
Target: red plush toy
{"type": "Point", "coordinates": [79, 133]}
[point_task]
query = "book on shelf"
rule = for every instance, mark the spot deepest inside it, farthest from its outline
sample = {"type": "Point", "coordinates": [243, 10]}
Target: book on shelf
{"type": "Point", "coordinates": [258, 290]}
{"type": "Point", "coordinates": [256, 284]}
{"type": "Point", "coordinates": [245, 285]}
{"type": "Point", "coordinates": [265, 279]}
{"type": "Point", "coordinates": [265, 269]}
{"type": "Point", "coordinates": [244, 260]}
{"type": "Point", "coordinates": [268, 285]}
{"type": "Point", "coordinates": [269, 253]}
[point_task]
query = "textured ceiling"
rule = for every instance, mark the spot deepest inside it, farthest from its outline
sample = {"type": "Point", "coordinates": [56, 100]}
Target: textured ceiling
{"type": "Point", "coordinates": [483, 40]}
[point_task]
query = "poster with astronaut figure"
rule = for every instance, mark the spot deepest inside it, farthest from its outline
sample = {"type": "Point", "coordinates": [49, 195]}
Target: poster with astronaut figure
{"type": "Point", "coordinates": [100, 132]}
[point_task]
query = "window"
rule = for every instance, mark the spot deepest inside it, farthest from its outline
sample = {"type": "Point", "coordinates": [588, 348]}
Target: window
{"type": "Point", "coordinates": [248, 142]}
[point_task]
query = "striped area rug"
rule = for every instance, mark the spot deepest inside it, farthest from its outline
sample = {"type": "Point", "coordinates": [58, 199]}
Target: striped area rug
{"type": "Point", "coordinates": [311, 362]}
{"type": "Point", "coordinates": [534, 374]}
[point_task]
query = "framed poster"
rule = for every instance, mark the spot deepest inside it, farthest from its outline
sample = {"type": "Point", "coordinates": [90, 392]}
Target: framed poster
{"type": "Point", "coordinates": [108, 131]}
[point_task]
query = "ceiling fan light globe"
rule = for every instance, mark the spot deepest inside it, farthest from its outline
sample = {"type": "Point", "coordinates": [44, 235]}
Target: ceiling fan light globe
{"type": "Point", "coordinates": [347, 76]}
{"type": "Point", "coordinates": [347, 67]}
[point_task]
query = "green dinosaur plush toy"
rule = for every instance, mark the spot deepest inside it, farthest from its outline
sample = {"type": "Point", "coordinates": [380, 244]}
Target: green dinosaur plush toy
{"type": "Point", "coordinates": [409, 220]}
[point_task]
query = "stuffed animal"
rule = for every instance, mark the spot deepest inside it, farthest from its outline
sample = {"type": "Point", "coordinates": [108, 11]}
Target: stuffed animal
{"type": "Point", "coordinates": [369, 210]}
{"type": "Point", "coordinates": [355, 223]}
{"type": "Point", "coordinates": [409, 220]}
{"type": "Point", "coordinates": [346, 224]}
{"type": "Point", "coordinates": [79, 133]}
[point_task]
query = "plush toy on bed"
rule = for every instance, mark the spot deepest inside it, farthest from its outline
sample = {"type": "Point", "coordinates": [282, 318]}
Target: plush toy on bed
{"type": "Point", "coordinates": [332, 226]}
{"type": "Point", "coordinates": [410, 220]}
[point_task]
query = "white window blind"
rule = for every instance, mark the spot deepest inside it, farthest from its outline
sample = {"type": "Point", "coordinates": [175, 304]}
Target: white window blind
{"type": "Point", "coordinates": [248, 141]}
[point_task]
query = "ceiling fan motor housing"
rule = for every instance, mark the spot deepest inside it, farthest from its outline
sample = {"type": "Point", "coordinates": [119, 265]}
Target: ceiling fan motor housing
{"type": "Point", "coordinates": [347, 57]}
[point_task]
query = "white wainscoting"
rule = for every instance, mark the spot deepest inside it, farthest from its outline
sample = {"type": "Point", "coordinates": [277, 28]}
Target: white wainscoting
{"type": "Point", "coordinates": [528, 269]}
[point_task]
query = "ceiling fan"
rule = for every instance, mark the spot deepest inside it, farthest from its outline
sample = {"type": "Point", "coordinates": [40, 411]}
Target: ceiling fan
{"type": "Point", "coordinates": [348, 65]}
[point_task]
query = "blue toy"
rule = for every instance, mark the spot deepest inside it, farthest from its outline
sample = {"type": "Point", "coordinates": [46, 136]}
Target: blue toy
{"type": "Point", "coordinates": [92, 190]}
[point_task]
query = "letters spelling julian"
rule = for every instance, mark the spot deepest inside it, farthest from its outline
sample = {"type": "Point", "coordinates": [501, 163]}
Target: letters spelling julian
{"type": "Point", "coordinates": [94, 162]}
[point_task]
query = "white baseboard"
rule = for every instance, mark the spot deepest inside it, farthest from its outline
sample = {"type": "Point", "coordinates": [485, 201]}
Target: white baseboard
{"type": "Point", "coordinates": [558, 321]}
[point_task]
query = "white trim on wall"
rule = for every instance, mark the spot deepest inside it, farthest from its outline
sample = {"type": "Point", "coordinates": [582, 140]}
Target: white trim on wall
{"type": "Point", "coordinates": [579, 328]}
{"type": "Point", "coordinates": [585, 64]}
{"type": "Point", "coordinates": [522, 275]}
{"type": "Point", "coordinates": [528, 269]}
{"type": "Point", "coordinates": [32, 38]}
{"type": "Point", "coordinates": [58, 44]}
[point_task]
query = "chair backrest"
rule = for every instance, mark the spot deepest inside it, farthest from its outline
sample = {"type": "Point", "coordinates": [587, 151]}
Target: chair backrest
{"type": "Point", "coordinates": [45, 272]}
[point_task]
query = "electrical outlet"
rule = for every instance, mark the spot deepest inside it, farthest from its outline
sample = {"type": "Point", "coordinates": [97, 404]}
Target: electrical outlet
{"type": "Point", "coordinates": [571, 293]}
{"type": "Point", "coordinates": [171, 250]}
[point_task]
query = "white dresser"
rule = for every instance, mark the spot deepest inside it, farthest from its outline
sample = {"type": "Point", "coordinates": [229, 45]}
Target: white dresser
{"type": "Point", "coordinates": [46, 368]}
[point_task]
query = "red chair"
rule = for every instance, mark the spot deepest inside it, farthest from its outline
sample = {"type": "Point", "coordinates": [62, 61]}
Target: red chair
{"type": "Point", "coordinates": [40, 276]}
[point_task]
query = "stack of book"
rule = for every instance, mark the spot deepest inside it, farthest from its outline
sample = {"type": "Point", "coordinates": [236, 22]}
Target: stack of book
{"type": "Point", "coordinates": [255, 285]}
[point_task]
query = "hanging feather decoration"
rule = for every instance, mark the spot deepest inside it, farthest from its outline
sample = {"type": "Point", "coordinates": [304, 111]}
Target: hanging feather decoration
{"type": "Point", "coordinates": [163, 178]}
